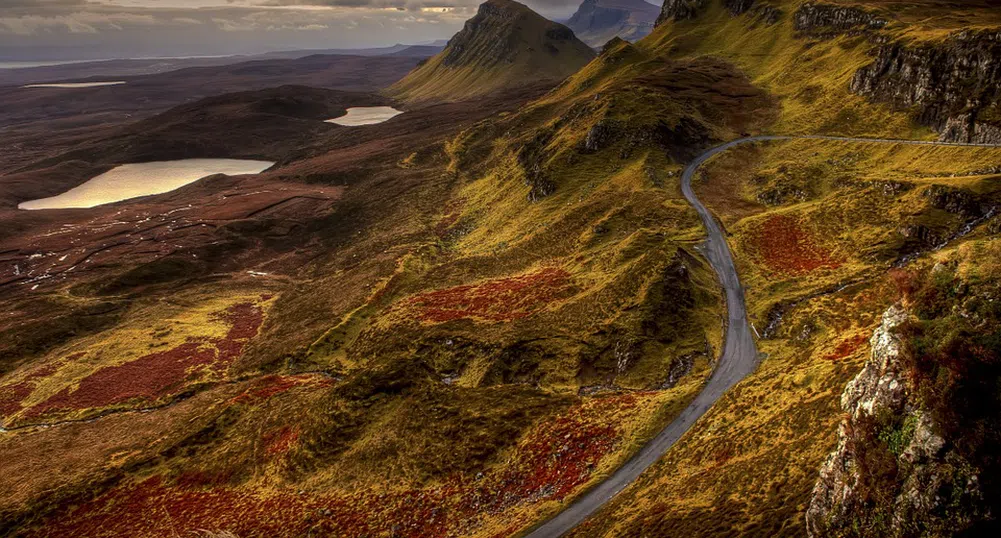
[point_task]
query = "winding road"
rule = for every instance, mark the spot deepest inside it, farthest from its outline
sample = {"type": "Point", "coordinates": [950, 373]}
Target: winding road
{"type": "Point", "coordinates": [739, 358]}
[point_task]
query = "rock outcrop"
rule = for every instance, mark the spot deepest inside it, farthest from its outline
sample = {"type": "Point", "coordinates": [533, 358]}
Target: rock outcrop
{"type": "Point", "coordinates": [679, 10]}
{"type": "Point", "coordinates": [597, 21]}
{"type": "Point", "coordinates": [828, 20]}
{"type": "Point", "coordinates": [738, 7]}
{"type": "Point", "coordinates": [955, 84]}
{"type": "Point", "coordinates": [892, 472]}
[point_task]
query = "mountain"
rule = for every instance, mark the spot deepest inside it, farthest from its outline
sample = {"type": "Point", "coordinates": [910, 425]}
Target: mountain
{"type": "Point", "coordinates": [597, 21]}
{"type": "Point", "coordinates": [472, 317]}
{"type": "Point", "coordinates": [504, 45]}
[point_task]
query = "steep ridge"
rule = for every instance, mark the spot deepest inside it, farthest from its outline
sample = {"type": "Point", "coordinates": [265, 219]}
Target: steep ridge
{"type": "Point", "coordinates": [921, 58]}
{"type": "Point", "coordinates": [504, 45]}
{"type": "Point", "coordinates": [597, 21]}
{"type": "Point", "coordinates": [955, 85]}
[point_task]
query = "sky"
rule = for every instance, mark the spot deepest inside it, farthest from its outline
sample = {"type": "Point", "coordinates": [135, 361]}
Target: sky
{"type": "Point", "coordinates": [87, 29]}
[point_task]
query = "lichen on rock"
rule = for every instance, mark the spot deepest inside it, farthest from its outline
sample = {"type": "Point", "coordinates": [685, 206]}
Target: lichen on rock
{"type": "Point", "coordinates": [892, 471]}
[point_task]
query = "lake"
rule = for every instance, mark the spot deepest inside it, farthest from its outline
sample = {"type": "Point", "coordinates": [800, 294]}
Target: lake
{"type": "Point", "coordinates": [134, 180]}
{"type": "Point", "coordinates": [76, 84]}
{"type": "Point", "coordinates": [366, 115]}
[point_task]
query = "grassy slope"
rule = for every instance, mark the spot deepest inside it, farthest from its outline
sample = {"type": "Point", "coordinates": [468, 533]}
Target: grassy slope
{"type": "Point", "coordinates": [612, 287]}
{"type": "Point", "coordinates": [810, 78]}
{"type": "Point", "coordinates": [750, 465]}
{"type": "Point", "coordinates": [424, 401]}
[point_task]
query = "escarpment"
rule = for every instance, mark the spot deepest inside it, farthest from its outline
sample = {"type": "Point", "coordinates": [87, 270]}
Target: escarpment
{"type": "Point", "coordinates": [955, 86]}
{"type": "Point", "coordinates": [827, 20]}
{"type": "Point", "coordinates": [678, 10]}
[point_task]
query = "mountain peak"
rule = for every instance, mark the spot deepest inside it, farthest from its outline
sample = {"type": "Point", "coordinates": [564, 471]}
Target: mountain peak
{"type": "Point", "coordinates": [505, 44]}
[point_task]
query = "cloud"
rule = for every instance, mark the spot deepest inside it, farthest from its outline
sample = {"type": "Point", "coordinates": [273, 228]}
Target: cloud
{"type": "Point", "coordinates": [80, 22]}
{"type": "Point", "coordinates": [57, 29]}
{"type": "Point", "coordinates": [466, 5]}
{"type": "Point", "coordinates": [9, 4]}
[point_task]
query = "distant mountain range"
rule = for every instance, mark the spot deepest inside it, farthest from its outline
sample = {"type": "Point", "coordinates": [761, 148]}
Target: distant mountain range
{"type": "Point", "coordinates": [126, 67]}
{"type": "Point", "coordinates": [597, 21]}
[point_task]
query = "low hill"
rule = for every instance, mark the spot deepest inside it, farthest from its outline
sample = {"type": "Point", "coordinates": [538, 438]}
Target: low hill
{"type": "Point", "coordinates": [505, 45]}
{"type": "Point", "coordinates": [597, 21]}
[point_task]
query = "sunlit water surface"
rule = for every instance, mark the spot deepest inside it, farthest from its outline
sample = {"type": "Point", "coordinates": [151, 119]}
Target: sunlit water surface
{"type": "Point", "coordinates": [366, 115]}
{"type": "Point", "coordinates": [133, 180]}
{"type": "Point", "coordinates": [76, 85]}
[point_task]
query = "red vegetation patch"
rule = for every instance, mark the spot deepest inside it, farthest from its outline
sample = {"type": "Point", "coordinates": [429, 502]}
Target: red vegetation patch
{"type": "Point", "coordinates": [202, 479]}
{"type": "Point", "coordinates": [721, 456]}
{"type": "Point", "coordinates": [279, 442]}
{"type": "Point", "coordinates": [846, 348]}
{"type": "Point", "coordinates": [446, 223]}
{"type": "Point", "coordinates": [272, 385]}
{"type": "Point", "coordinates": [906, 282]}
{"type": "Point", "coordinates": [786, 247]}
{"type": "Point", "coordinates": [553, 461]}
{"type": "Point", "coordinates": [12, 394]}
{"type": "Point", "coordinates": [504, 299]}
{"type": "Point", "coordinates": [450, 217]}
{"type": "Point", "coordinates": [160, 374]}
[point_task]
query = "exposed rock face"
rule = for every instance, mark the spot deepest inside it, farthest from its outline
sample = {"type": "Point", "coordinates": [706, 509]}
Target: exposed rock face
{"type": "Point", "coordinates": [957, 201]}
{"type": "Point", "coordinates": [532, 157]}
{"type": "Point", "coordinates": [880, 384]}
{"type": "Point", "coordinates": [928, 484]}
{"type": "Point", "coordinates": [683, 141]}
{"type": "Point", "coordinates": [828, 20]}
{"type": "Point", "coordinates": [769, 14]}
{"type": "Point", "coordinates": [679, 10]}
{"type": "Point", "coordinates": [738, 7]}
{"type": "Point", "coordinates": [597, 21]}
{"type": "Point", "coordinates": [955, 84]}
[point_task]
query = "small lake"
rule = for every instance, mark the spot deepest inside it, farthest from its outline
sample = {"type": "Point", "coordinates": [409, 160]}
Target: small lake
{"type": "Point", "coordinates": [77, 84]}
{"type": "Point", "coordinates": [134, 180]}
{"type": "Point", "coordinates": [366, 115]}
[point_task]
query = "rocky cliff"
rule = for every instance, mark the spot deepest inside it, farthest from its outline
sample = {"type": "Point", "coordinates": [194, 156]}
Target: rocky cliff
{"type": "Point", "coordinates": [677, 10]}
{"type": "Point", "coordinates": [893, 473]}
{"type": "Point", "coordinates": [954, 85]}
{"type": "Point", "coordinates": [597, 21]}
{"type": "Point", "coordinates": [828, 20]}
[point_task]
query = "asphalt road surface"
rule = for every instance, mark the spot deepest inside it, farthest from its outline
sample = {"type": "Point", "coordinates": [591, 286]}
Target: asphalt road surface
{"type": "Point", "coordinates": [740, 355]}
